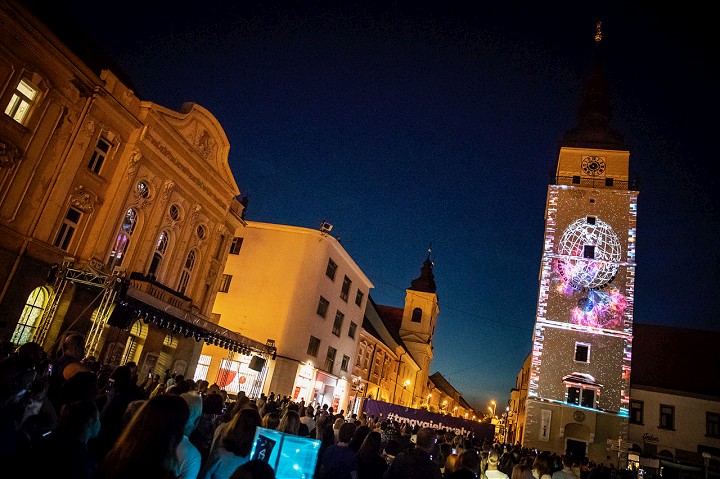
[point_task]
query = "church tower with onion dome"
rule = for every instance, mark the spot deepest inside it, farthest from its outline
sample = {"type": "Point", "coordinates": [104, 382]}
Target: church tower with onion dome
{"type": "Point", "coordinates": [579, 388]}
{"type": "Point", "coordinates": [418, 323]}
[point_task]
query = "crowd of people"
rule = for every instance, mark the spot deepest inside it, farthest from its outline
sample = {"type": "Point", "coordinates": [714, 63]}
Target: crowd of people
{"type": "Point", "coordinates": [66, 416]}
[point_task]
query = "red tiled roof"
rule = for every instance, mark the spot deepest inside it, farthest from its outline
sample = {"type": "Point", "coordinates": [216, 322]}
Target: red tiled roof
{"type": "Point", "coordinates": [676, 359]}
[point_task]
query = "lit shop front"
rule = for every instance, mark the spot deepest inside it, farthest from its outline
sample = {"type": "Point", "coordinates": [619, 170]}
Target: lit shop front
{"type": "Point", "coordinates": [315, 386]}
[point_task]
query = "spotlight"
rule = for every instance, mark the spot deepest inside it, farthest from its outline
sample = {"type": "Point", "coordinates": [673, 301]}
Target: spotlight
{"type": "Point", "coordinates": [187, 333]}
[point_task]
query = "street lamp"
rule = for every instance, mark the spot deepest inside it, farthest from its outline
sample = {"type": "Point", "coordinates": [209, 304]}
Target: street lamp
{"type": "Point", "coordinates": [405, 385]}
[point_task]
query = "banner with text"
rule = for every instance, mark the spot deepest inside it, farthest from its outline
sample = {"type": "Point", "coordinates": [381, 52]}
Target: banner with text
{"type": "Point", "coordinates": [422, 418]}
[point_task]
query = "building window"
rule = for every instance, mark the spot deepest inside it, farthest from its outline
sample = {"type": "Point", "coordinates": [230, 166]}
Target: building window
{"type": "Point", "coordinates": [143, 190]}
{"type": "Point", "coordinates": [31, 315]}
{"type": "Point", "coordinates": [667, 417]}
{"type": "Point", "coordinates": [313, 346]}
{"type": "Point", "coordinates": [337, 325]}
{"type": "Point", "coordinates": [581, 396]}
{"type": "Point", "coordinates": [331, 269]}
{"type": "Point", "coordinates": [636, 412]}
{"type": "Point", "coordinates": [122, 240]}
{"type": "Point", "coordinates": [22, 101]}
{"type": "Point", "coordinates": [345, 291]}
{"type": "Point", "coordinates": [202, 368]}
{"type": "Point", "coordinates": [225, 284]}
{"type": "Point", "coordinates": [416, 315]}
{"type": "Point", "coordinates": [160, 249]}
{"type": "Point", "coordinates": [352, 329]}
{"type": "Point", "coordinates": [345, 363]}
{"type": "Point", "coordinates": [576, 180]}
{"type": "Point", "coordinates": [589, 251]}
{"type": "Point", "coordinates": [323, 307]}
{"type": "Point", "coordinates": [186, 272]}
{"type": "Point", "coordinates": [582, 352]}
{"type": "Point", "coordinates": [236, 245]}
{"type": "Point", "coordinates": [67, 229]}
{"type": "Point", "coordinates": [174, 212]}
{"type": "Point", "coordinates": [200, 231]}
{"type": "Point", "coordinates": [99, 154]}
{"type": "Point", "coordinates": [712, 424]}
{"type": "Point", "coordinates": [359, 298]}
{"type": "Point", "coordinates": [330, 359]}
{"type": "Point", "coordinates": [609, 181]}
{"type": "Point", "coordinates": [591, 220]}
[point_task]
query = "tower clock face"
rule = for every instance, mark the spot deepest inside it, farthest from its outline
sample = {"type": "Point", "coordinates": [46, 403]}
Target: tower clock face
{"type": "Point", "coordinates": [593, 165]}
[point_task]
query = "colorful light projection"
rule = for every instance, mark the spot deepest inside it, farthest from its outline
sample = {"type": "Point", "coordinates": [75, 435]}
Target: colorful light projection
{"type": "Point", "coordinates": [589, 254]}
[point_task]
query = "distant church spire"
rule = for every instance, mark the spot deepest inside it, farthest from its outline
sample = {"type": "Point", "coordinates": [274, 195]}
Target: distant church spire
{"type": "Point", "coordinates": [426, 281]}
{"type": "Point", "coordinates": [593, 129]}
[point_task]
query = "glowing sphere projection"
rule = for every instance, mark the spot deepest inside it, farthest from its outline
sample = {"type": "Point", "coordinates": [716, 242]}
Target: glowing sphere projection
{"type": "Point", "coordinates": [589, 253]}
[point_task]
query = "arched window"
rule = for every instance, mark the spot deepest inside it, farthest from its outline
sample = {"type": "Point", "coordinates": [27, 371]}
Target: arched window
{"type": "Point", "coordinates": [30, 318]}
{"type": "Point", "coordinates": [123, 239]}
{"type": "Point", "coordinates": [416, 315]}
{"type": "Point", "coordinates": [187, 270]}
{"type": "Point", "coordinates": [160, 249]}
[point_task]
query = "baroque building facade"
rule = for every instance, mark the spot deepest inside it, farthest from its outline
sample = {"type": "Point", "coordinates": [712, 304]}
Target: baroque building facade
{"type": "Point", "coordinates": [116, 214]}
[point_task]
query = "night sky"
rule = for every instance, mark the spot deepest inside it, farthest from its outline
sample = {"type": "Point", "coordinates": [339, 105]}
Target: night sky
{"type": "Point", "coordinates": [406, 125]}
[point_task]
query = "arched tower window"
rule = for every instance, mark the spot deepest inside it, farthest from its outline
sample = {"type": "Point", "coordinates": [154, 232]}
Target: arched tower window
{"type": "Point", "coordinates": [123, 239]}
{"type": "Point", "coordinates": [187, 271]}
{"type": "Point", "coordinates": [30, 318]}
{"type": "Point", "coordinates": [160, 249]}
{"type": "Point", "coordinates": [416, 315]}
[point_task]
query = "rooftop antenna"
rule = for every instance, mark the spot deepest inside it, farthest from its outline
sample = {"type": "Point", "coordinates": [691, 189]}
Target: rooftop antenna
{"type": "Point", "coordinates": [325, 227]}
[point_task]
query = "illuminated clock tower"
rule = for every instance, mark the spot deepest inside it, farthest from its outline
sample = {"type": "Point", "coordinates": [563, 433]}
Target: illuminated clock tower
{"type": "Point", "coordinates": [579, 388]}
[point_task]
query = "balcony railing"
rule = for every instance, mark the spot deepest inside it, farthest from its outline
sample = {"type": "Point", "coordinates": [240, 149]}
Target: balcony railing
{"type": "Point", "coordinates": [602, 183]}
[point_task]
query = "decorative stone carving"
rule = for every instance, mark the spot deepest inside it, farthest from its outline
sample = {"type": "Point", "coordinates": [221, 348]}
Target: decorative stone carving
{"type": "Point", "coordinates": [83, 199]}
{"type": "Point", "coordinates": [133, 161]}
{"type": "Point", "coordinates": [8, 154]}
{"type": "Point", "coordinates": [195, 211]}
{"type": "Point", "coordinates": [167, 191]}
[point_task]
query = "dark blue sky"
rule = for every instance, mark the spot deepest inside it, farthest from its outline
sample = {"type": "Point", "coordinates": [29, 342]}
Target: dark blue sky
{"type": "Point", "coordinates": [427, 123]}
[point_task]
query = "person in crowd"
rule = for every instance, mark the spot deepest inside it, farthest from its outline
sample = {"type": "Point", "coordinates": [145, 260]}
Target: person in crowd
{"type": "Point", "coordinates": [255, 469]}
{"type": "Point", "coordinates": [360, 433]}
{"type": "Point", "coordinates": [523, 469]}
{"type": "Point", "coordinates": [416, 463]}
{"type": "Point", "coordinates": [339, 461]}
{"type": "Point", "coordinates": [468, 466]}
{"type": "Point", "coordinates": [271, 420]}
{"type": "Point", "coordinates": [290, 423]}
{"type": "Point", "coordinates": [117, 396]}
{"type": "Point", "coordinates": [189, 457]}
{"type": "Point", "coordinates": [337, 424]}
{"type": "Point", "coordinates": [392, 449]}
{"type": "Point", "coordinates": [493, 462]}
{"type": "Point", "coordinates": [566, 472]}
{"type": "Point", "coordinates": [542, 466]}
{"type": "Point", "coordinates": [308, 418]}
{"type": "Point", "coordinates": [233, 447]}
{"type": "Point", "coordinates": [64, 453]}
{"type": "Point", "coordinates": [208, 423]}
{"type": "Point", "coordinates": [452, 464]}
{"type": "Point", "coordinates": [66, 365]}
{"type": "Point", "coordinates": [147, 446]}
{"type": "Point", "coordinates": [371, 464]}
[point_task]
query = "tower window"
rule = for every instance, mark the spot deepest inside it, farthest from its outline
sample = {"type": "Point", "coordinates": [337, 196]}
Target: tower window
{"type": "Point", "coordinates": [591, 220]}
{"type": "Point", "coordinates": [416, 315]}
{"type": "Point", "coordinates": [608, 182]}
{"type": "Point", "coordinates": [576, 180]}
{"type": "Point", "coordinates": [582, 352]}
{"type": "Point", "coordinates": [581, 396]}
{"type": "Point", "coordinates": [589, 251]}
{"type": "Point", "coordinates": [225, 283]}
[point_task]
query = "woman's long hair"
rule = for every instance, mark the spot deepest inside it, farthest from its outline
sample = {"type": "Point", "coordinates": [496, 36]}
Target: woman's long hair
{"type": "Point", "coordinates": [148, 442]}
{"type": "Point", "coordinates": [290, 423]}
{"type": "Point", "coordinates": [371, 446]}
{"type": "Point", "coordinates": [239, 434]}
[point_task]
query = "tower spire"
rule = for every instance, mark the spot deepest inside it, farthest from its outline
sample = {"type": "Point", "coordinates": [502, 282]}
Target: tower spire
{"type": "Point", "coordinates": [593, 123]}
{"type": "Point", "coordinates": [426, 281]}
